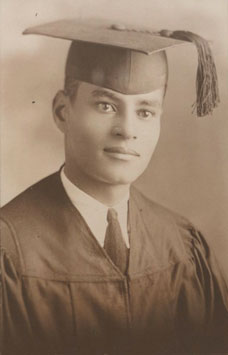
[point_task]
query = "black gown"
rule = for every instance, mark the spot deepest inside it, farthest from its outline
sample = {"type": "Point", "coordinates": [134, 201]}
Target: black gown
{"type": "Point", "coordinates": [62, 295]}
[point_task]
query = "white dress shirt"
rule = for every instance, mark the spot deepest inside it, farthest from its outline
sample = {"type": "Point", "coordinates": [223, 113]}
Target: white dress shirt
{"type": "Point", "coordinates": [94, 212]}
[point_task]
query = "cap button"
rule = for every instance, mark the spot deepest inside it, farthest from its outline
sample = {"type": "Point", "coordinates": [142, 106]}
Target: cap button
{"type": "Point", "coordinates": [118, 27]}
{"type": "Point", "coordinates": [166, 33]}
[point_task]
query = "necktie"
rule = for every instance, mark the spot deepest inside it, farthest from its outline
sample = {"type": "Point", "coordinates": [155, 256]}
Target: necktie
{"type": "Point", "coordinates": [114, 243]}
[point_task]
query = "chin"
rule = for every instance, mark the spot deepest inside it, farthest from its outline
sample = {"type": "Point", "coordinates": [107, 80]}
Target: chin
{"type": "Point", "coordinates": [124, 178]}
{"type": "Point", "coordinates": [121, 174]}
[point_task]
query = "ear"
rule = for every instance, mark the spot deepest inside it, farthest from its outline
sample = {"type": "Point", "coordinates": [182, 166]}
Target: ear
{"type": "Point", "coordinates": [60, 110]}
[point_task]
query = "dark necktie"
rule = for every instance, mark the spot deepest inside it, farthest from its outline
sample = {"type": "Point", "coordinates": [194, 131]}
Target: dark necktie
{"type": "Point", "coordinates": [114, 243]}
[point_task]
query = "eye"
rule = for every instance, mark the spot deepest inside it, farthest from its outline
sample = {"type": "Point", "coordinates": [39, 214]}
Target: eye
{"type": "Point", "coordinates": [105, 107]}
{"type": "Point", "coordinates": [145, 114]}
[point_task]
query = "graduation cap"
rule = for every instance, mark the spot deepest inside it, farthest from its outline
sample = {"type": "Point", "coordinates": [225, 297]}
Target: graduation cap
{"type": "Point", "coordinates": [130, 61]}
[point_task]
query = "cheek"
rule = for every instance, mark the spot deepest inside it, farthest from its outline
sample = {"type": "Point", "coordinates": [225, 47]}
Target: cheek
{"type": "Point", "coordinates": [84, 139]}
{"type": "Point", "coordinates": [150, 139]}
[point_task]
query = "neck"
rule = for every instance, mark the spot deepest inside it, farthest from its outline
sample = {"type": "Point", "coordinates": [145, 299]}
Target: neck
{"type": "Point", "coordinates": [106, 193]}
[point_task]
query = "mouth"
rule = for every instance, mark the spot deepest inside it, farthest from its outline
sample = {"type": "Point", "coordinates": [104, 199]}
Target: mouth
{"type": "Point", "coordinates": [121, 152]}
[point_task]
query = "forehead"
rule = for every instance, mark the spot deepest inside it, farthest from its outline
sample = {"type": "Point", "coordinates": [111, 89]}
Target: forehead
{"type": "Point", "coordinates": [89, 91]}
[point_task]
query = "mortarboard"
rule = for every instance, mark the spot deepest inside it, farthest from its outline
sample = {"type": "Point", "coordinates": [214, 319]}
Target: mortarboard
{"type": "Point", "coordinates": [130, 61]}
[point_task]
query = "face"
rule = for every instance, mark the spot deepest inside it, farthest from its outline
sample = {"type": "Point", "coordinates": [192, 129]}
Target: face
{"type": "Point", "coordinates": [109, 137]}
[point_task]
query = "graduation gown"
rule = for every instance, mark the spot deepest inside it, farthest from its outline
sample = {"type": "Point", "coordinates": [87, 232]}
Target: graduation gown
{"type": "Point", "coordinates": [62, 295]}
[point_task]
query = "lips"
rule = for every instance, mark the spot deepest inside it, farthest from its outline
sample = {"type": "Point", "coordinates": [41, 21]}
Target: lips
{"type": "Point", "coordinates": [122, 150]}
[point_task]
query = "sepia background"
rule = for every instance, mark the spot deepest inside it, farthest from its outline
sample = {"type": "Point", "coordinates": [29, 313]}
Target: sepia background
{"type": "Point", "coordinates": [189, 170]}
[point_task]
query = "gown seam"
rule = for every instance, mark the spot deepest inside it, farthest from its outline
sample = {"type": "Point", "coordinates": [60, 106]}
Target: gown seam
{"type": "Point", "coordinates": [13, 234]}
{"type": "Point", "coordinates": [103, 279]}
{"type": "Point", "coordinates": [73, 309]}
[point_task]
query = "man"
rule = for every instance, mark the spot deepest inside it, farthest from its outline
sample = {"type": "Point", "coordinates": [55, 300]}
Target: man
{"type": "Point", "coordinates": [90, 265]}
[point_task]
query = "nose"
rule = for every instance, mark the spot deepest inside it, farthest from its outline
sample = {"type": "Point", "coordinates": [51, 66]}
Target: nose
{"type": "Point", "coordinates": [124, 126]}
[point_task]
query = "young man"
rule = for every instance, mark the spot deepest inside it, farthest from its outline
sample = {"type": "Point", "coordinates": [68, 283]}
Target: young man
{"type": "Point", "coordinates": [90, 265]}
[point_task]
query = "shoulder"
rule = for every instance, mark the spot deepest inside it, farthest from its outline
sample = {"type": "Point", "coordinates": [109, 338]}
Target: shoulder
{"type": "Point", "coordinates": [38, 211]}
{"type": "Point", "coordinates": [152, 207]}
{"type": "Point", "coordinates": [29, 212]}
{"type": "Point", "coordinates": [31, 200]}
{"type": "Point", "coordinates": [176, 231]}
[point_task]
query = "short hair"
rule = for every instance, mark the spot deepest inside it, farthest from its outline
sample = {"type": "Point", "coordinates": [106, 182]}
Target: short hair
{"type": "Point", "coordinates": [71, 86]}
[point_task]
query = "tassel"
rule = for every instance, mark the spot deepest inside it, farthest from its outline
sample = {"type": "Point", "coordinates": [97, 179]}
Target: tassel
{"type": "Point", "coordinates": [206, 79]}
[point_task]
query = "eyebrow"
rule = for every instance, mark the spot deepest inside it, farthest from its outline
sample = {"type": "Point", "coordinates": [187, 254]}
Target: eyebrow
{"type": "Point", "coordinates": [149, 103]}
{"type": "Point", "coordinates": [99, 93]}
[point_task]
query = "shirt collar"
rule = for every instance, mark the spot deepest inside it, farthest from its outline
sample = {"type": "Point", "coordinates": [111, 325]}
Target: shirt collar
{"type": "Point", "coordinates": [93, 210]}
